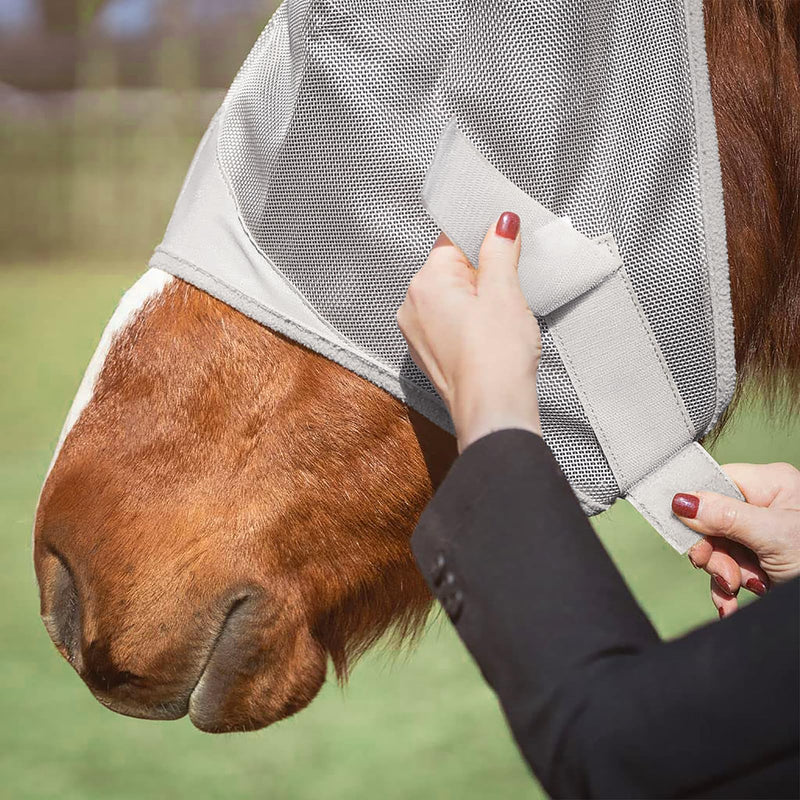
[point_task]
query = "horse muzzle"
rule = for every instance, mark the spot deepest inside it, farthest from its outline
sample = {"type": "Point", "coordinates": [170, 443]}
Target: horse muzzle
{"type": "Point", "coordinates": [237, 663]}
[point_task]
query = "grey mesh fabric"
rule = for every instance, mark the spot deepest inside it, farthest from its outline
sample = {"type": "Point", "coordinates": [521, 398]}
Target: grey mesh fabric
{"type": "Point", "coordinates": [358, 129]}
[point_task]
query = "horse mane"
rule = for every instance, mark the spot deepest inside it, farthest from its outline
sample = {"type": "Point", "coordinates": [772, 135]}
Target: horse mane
{"type": "Point", "coordinates": [755, 82]}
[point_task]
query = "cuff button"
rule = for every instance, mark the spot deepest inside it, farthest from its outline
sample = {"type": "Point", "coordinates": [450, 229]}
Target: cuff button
{"type": "Point", "coordinates": [454, 604]}
{"type": "Point", "coordinates": [437, 573]}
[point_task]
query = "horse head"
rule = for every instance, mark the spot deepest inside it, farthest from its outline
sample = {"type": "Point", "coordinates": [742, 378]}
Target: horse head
{"type": "Point", "coordinates": [228, 511]}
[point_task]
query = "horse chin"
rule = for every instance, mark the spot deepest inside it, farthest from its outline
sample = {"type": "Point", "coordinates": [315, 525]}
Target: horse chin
{"type": "Point", "coordinates": [162, 712]}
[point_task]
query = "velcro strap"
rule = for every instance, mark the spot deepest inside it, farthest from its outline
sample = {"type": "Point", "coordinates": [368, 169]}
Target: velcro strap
{"type": "Point", "coordinates": [465, 195]}
{"type": "Point", "coordinates": [690, 469]}
{"type": "Point", "coordinates": [621, 379]}
{"type": "Point", "coordinates": [599, 329]}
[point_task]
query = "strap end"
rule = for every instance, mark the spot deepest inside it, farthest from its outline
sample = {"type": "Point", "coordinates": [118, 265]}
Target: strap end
{"type": "Point", "coordinates": [691, 468]}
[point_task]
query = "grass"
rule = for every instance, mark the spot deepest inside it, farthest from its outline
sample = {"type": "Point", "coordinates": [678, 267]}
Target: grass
{"type": "Point", "coordinates": [420, 723]}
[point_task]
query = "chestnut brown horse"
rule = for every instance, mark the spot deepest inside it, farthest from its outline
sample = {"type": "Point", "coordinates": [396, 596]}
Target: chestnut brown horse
{"type": "Point", "coordinates": [228, 510]}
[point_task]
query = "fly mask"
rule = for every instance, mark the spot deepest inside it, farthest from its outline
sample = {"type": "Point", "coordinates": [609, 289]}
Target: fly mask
{"type": "Point", "coordinates": [358, 129]}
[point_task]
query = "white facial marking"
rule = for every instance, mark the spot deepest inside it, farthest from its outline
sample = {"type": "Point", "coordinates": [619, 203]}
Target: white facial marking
{"type": "Point", "coordinates": [151, 284]}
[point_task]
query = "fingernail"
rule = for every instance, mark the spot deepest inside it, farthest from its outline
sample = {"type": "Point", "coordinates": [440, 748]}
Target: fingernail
{"type": "Point", "coordinates": [685, 505]}
{"type": "Point", "coordinates": [722, 584]}
{"type": "Point", "coordinates": [721, 613]}
{"type": "Point", "coordinates": [756, 586]}
{"type": "Point", "coordinates": [508, 225]}
{"type": "Point", "coordinates": [692, 561]}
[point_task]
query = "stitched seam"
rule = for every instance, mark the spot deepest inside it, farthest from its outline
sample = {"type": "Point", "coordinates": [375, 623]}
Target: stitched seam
{"type": "Point", "coordinates": [314, 26]}
{"type": "Point", "coordinates": [712, 209]}
{"type": "Point", "coordinates": [453, 124]}
{"type": "Point", "coordinates": [657, 352]}
{"type": "Point", "coordinates": [286, 282]}
{"type": "Point", "coordinates": [725, 479]}
{"type": "Point", "coordinates": [593, 248]}
{"type": "Point", "coordinates": [619, 473]}
{"type": "Point", "coordinates": [250, 301]}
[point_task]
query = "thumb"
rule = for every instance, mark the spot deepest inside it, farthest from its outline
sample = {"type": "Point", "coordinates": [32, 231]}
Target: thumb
{"type": "Point", "coordinates": [499, 255]}
{"type": "Point", "coordinates": [714, 514]}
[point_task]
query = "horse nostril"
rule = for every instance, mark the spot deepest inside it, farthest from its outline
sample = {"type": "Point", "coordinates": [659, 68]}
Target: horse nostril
{"type": "Point", "coordinates": [101, 674]}
{"type": "Point", "coordinates": [61, 609]}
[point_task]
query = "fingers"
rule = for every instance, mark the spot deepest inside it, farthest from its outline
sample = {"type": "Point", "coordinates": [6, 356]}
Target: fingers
{"type": "Point", "coordinates": [444, 252]}
{"type": "Point", "coordinates": [700, 553]}
{"type": "Point", "coordinates": [445, 268]}
{"type": "Point", "coordinates": [444, 260]}
{"type": "Point", "coordinates": [731, 567]}
{"type": "Point", "coordinates": [757, 486]}
{"type": "Point", "coordinates": [724, 571]}
{"type": "Point", "coordinates": [442, 241]}
{"type": "Point", "coordinates": [724, 604]}
{"type": "Point", "coordinates": [734, 567]}
{"type": "Point", "coordinates": [767, 484]}
{"type": "Point", "coordinates": [498, 260]}
{"type": "Point", "coordinates": [717, 515]}
{"type": "Point", "coordinates": [445, 264]}
{"type": "Point", "coordinates": [753, 578]}
{"type": "Point", "coordinates": [499, 256]}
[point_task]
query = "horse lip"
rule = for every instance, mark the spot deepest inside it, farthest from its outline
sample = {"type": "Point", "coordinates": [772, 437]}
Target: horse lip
{"type": "Point", "coordinates": [195, 697]}
{"type": "Point", "coordinates": [63, 618]}
{"type": "Point", "coordinates": [179, 707]}
{"type": "Point", "coordinates": [175, 709]}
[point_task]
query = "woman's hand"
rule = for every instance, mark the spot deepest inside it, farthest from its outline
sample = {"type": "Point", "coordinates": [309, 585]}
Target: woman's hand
{"type": "Point", "coordinates": [473, 335]}
{"type": "Point", "coordinates": [752, 544]}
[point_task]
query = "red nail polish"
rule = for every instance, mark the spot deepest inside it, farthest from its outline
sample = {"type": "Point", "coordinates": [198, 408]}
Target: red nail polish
{"type": "Point", "coordinates": [721, 613]}
{"type": "Point", "coordinates": [756, 586]}
{"type": "Point", "coordinates": [507, 225]}
{"type": "Point", "coordinates": [722, 584]}
{"type": "Point", "coordinates": [685, 505]}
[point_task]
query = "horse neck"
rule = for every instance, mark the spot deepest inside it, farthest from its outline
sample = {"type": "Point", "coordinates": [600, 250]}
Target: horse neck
{"type": "Point", "coordinates": [755, 83]}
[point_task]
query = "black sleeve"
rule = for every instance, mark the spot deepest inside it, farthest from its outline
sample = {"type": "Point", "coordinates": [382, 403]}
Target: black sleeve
{"type": "Point", "coordinates": [599, 706]}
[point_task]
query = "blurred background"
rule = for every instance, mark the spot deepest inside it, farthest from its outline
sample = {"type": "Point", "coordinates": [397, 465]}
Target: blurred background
{"type": "Point", "coordinates": [101, 106]}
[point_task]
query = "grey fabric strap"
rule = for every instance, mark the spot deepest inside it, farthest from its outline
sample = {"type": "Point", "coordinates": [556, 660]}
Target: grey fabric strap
{"type": "Point", "coordinates": [557, 263]}
{"type": "Point", "coordinates": [616, 367]}
{"type": "Point", "coordinates": [691, 468]}
{"type": "Point", "coordinates": [598, 326]}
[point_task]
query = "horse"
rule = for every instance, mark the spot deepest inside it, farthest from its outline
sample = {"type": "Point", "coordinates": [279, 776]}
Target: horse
{"type": "Point", "coordinates": [222, 521]}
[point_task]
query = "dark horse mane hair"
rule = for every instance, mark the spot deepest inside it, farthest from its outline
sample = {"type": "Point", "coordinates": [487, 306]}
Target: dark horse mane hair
{"type": "Point", "coordinates": [755, 81]}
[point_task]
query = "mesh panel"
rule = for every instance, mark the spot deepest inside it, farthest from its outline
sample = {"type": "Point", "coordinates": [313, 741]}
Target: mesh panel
{"type": "Point", "coordinates": [587, 106]}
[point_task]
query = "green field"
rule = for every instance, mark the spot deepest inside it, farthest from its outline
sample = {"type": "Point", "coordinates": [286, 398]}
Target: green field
{"type": "Point", "coordinates": [409, 724]}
